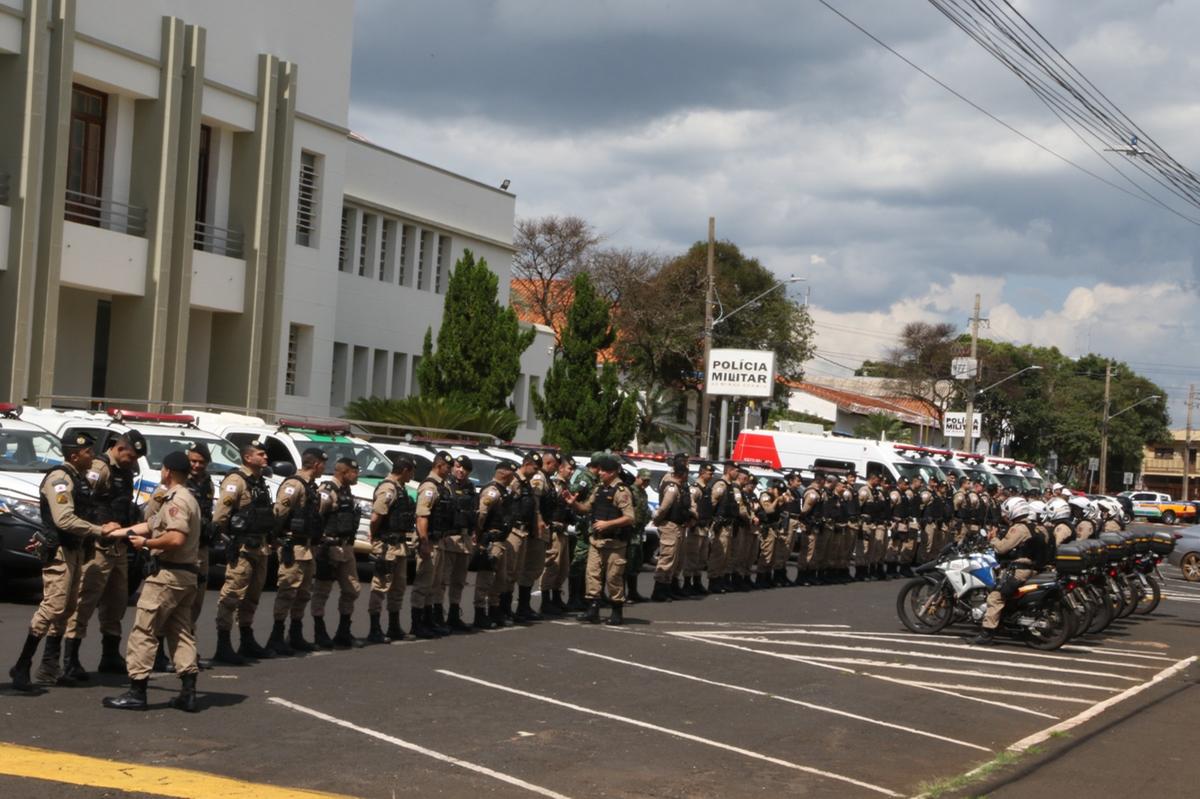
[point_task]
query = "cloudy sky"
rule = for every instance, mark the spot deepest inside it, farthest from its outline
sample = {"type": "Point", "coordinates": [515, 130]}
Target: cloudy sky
{"type": "Point", "coordinates": [821, 153]}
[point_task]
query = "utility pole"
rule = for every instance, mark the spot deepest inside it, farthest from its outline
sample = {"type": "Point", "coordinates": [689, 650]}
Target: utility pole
{"type": "Point", "coordinates": [1187, 442]}
{"type": "Point", "coordinates": [1104, 429]}
{"type": "Point", "coordinates": [969, 417]}
{"type": "Point", "coordinates": [710, 300]}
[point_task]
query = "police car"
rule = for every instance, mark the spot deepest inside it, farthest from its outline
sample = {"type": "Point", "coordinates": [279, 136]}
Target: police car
{"type": "Point", "coordinates": [26, 452]}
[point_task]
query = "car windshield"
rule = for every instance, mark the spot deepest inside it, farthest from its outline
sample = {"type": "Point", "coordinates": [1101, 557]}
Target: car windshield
{"type": "Point", "coordinates": [225, 456]}
{"type": "Point", "coordinates": [1011, 480]}
{"type": "Point", "coordinates": [1036, 483]}
{"type": "Point", "coordinates": [925, 471]}
{"type": "Point", "coordinates": [28, 451]}
{"type": "Point", "coordinates": [371, 465]}
{"type": "Point", "coordinates": [482, 469]}
{"type": "Point", "coordinates": [978, 475]}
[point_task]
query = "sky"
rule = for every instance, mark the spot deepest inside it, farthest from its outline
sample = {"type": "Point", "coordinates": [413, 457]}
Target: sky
{"type": "Point", "coordinates": [821, 154]}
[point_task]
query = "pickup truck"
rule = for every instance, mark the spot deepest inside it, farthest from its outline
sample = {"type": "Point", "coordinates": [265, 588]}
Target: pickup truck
{"type": "Point", "coordinates": [1153, 505]}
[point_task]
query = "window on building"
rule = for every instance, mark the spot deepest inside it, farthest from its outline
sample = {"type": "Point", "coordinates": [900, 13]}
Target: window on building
{"type": "Point", "coordinates": [85, 155]}
{"type": "Point", "coordinates": [344, 241]}
{"type": "Point", "coordinates": [379, 373]}
{"type": "Point", "coordinates": [202, 174]}
{"type": "Point", "coordinates": [340, 369]}
{"type": "Point", "coordinates": [399, 375]}
{"type": "Point", "coordinates": [530, 415]}
{"type": "Point", "coordinates": [306, 200]}
{"type": "Point", "coordinates": [404, 230]}
{"type": "Point", "coordinates": [299, 360]}
{"type": "Point", "coordinates": [1164, 453]}
{"type": "Point", "coordinates": [443, 247]}
{"type": "Point", "coordinates": [385, 273]}
{"type": "Point", "coordinates": [358, 372]}
{"type": "Point", "coordinates": [364, 240]}
{"type": "Point", "coordinates": [413, 383]}
{"type": "Point", "coordinates": [420, 277]}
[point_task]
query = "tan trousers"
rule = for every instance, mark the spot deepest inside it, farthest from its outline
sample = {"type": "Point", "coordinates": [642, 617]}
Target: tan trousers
{"type": "Point", "coordinates": [533, 561]}
{"type": "Point", "coordinates": [345, 574]}
{"type": "Point", "coordinates": [488, 584]}
{"type": "Point", "coordinates": [670, 553]}
{"type": "Point", "coordinates": [103, 586]}
{"type": "Point", "coordinates": [785, 541]}
{"type": "Point", "coordinates": [606, 569]}
{"type": "Point", "coordinates": [242, 590]}
{"type": "Point", "coordinates": [558, 560]}
{"type": "Point", "coordinates": [451, 577]}
{"type": "Point", "coordinates": [995, 602]}
{"type": "Point", "coordinates": [60, 592]}
{"type": "Point", "coordinates": [720, 545]}
{"type": "Point", "coordinates": [201, 587]}
{"type": "Point", "coordinates": [164, 610]}
{"type": "Point", "coordinates": [517, 542]}
{"type": "Point", "coordinates": [695, 551]}
{"type": "Point", "coordinates": [767, 543]}
{"type": "Point", "coordinates": [745, 549]}
{"type": "Point", "coordinates": [293, 589]}
{"type": "Point", "coordinates": [422, 584]}
{"type": "Point", "coordinates": [392, 583]}
{"type": "Point", "coordinates": [804, 545]}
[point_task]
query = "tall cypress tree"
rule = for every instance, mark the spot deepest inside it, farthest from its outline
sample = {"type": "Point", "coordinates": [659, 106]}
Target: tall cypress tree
{"type": "Point", "coordinates": [479, 345]}
{"type": "Point", "coordinates": [583, 407]}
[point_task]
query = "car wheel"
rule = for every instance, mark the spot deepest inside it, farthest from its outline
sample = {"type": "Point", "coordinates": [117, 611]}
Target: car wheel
{"type": "Point", "coordinates": [1190, 566]}
{"type": "Point", "coordinates": [1168, 517]}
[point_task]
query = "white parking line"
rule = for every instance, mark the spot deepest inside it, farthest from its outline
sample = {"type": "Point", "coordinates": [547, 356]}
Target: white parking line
{"type": "Point", "coordinates": [884, 664]}
{"type": "Point", "coordinates": [1003, 691]}
{"type": "Point", "coordinates": [789, 700]}
{"type": "Point", "coordinates": [1097, 709]}
{"type": "Point", "coordinates": [412, 747]}
{"type": "Point", "coordinates": [752, 624]}
{"type": "Point", "coordinates": [675, 733]}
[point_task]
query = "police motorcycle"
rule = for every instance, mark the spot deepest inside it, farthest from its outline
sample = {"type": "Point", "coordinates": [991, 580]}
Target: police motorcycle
{"type": "Point", "coordinates": [953, 588]}
{"type": "Point", "coordinates": [1149, 551]}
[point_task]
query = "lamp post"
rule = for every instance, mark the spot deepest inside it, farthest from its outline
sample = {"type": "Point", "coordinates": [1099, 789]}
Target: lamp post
{"type": "Point", "coordinates": [1108, 417]}
{"type": "Point", "coordinates": [969, 431]}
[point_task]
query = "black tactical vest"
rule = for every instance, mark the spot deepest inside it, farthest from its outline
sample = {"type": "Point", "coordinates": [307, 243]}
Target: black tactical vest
{"type": "Point", "coordinates": [115, 503]}
{"type": "Point", "coordinates": [500, 514]}
{"type": "Point", "coordinates": [81, 500]}
{"type": "Point", "coordinates": [202, 490]}
{"type": "Point", "coordinates": [726, 507]}
{"type": "Point", "coordinates": [466, 504]}
{"type": "Point", "coordinates": [704, 505]}
{"type": "Point", "coordinates": [526, 511]}
{"type": "Point", "coordinates": [342, 523]}
{"type": "Point", "coordinates": [680, 511]}
{"type": "Point", "coordinates": [258, 516]}
{"type": "Point", "coordinates": [401, 516]}
{"type": "Point", "coordinates": [604, 507]}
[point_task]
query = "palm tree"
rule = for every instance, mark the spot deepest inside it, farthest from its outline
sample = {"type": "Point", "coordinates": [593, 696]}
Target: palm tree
{"type": "Point", "coordinates": [880, 426]}
{"type": "Point", "coordinates": [656, 422]}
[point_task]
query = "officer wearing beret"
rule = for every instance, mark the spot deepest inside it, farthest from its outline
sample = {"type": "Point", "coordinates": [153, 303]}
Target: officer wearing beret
{"type": "Point", "coordinates": [335, 557]}
{"type": "Point", "coordinates": [393, 522]}
{"type": "Point", "coordinates": [528, 538]}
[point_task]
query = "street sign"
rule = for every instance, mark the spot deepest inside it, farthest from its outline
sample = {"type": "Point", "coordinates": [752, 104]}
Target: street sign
{"type": "Point", "coordinates": [741, 373]}
{"type": "Point", "coordinates": [963, 368]}
{"type": "Point", "coordinates": [953, 423]}
{"type": "Point", "coordinates": [1093, 464]}
{"type": "Point", "coordinates": [1128, 478]}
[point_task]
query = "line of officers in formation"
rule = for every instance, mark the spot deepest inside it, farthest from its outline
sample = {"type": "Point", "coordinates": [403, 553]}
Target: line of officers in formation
{"type": "Point", "coordinates": [542, 521]}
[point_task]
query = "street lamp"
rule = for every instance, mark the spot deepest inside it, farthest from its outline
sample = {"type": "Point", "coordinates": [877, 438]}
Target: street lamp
{"type": "Point", "coordinates": [968, 418]}
{"type": "Point", "coordinates": [1104, 436]}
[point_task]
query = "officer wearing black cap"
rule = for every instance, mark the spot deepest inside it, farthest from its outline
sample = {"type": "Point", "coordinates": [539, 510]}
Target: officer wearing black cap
{"type": "Point", "coordinates": [393, 522]}
{"type": "Point", "coordinates": [558, 470]}
{"type": "Point", "coordinates": [695, 540]}
{"type": "Point", "coordinates": [492, 523]}
{"type": "Point", "coordinates": [245, 518]}
{"type": "Point", "coordinates": [528, 538]}
{"type": "Point", "coordinates": [611, 509]}
{"type": "Point", "coordinates": [72, 528]}
{"type": "Point", "coordinates": [456, 547]}
{"type": "Point", "coordinates": [300, 509]}
{"type": "Point", "coordinates": [435, 518]}
{"type": "Point", "coordinates": [337, 550]}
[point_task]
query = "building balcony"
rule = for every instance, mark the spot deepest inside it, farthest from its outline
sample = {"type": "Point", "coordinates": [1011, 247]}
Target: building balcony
{"type": "Point", "coordinates": [1168, 467]}
{"type": "Point", "coordinates": [218, 240]}
{"type": "Point", "coordinates": [100, 259]}
{"type": "Point", "coordinates": [86, 209]}
{"type": "Point", "coordinates": [218, 282]}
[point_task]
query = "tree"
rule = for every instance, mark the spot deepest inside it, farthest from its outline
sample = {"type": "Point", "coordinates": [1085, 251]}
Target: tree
{"type": "Point", "coordinates": [583, 407]}
{"type": "Point", "coordinates": [919, 366]}
{"type": "Point", "coordinates": [436, 415]}
{"type": "Point", "coordinates": [880, 426]}
{"type": "Point", "coordinates": [550, 251]}
{"type": "Point", "coordinates": [655, 425]}
{"type": "Point", "coordinates": [479, 345]}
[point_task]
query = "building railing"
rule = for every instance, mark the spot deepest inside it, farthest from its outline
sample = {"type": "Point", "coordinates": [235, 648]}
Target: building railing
{"type": "Point", "coordinates": [219, 240]}
{"type": "Point", "coordinates": [4, 183]}
{"type": "Point", "coordinates": [108, 214]}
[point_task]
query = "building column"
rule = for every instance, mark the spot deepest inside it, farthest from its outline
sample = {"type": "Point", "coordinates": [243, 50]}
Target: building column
{"type": "Point", "coordinates": [178, 312]}
{"type": "Point", "coordinates": [22, 137]}
{"type": "Point", "coordinates": [51, 198]}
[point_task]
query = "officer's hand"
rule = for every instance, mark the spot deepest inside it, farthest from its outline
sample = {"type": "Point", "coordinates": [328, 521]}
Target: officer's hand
{"type": "Point", "coordinates": [137, 541]}
{"type": "Point", "coordinates": [424, 547]}
{"type": "Point", "coordinates": [108, 527]}
{"type": "Point", "coordinates": [31, 546]}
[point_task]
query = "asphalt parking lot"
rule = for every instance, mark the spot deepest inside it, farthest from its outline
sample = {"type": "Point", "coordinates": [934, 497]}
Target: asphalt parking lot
{"type": "Point", "coordinates": [800, 691]}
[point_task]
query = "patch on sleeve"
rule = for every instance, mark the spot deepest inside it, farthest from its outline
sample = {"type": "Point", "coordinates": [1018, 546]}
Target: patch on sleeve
{"type": "Point", "coordinates": [93, 475]}
{"type": "Point", "coordinates": [231, 489]}
{"type": "Point", "coordinates": [172, 511]}
{"type": "Point", "coordinates": [429, 493]}
{"type": "Point", "coordinates": [61, 499]}
{"type": "Point", "coordinates": [61, 488]}
{"type": "Point", "coordinates": [289, 491]}
{"type": "Point", "coordinates": [228, 501]}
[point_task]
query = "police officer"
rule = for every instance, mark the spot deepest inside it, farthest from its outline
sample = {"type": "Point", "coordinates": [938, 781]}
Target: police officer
{"type": "Point", "coordinates": [745, 538]}
{"type": "Point", "coordinates": [864, 529]}
{"type": "Point", "coordinates": [674, 515]}
{"type": "Point", "coordinates": [809, 527]}
{"type": "Point", "coordinates": [172, 539]}
{"type": "Point", "coordinates": [558, 518]}
{"type": "Point", "coordinates": [435, 517]}
{"type": "Point", "coordinates": [637, 536]}
{"type": "Point", "coordinates": [244, 516]}
{"type": "Point", "coordinates": [393, 522]}
{"type": "Point", "coordinates": [790, 504]}
{"type": "Point", "coordinates": [726, 508]}
{"type": "Point", "coordinates": [71, 532]}
{"type": "Point", "coordinates": [696, 537]}
{"type": "Point", "coordinates": [527, 539]}
{"type": "Point", "coordinates": [335, 560]}
{"type": "Point", "coordinates": [611, 509]}
{"type": "Point", "coordinates": [104, 586]}
{"type": "Point", "coordinates": [492, 524]}
{"type": "Point", "coordinates": [770, 515]}
{"type": "Point", "coordinates": [456, 547]}
{"type": "Point", "coordinates": [301, 508]}
{"type": "Point", "coordinates": [582, 485]}
{"type": "Point", "coordinates": [1021, 552]}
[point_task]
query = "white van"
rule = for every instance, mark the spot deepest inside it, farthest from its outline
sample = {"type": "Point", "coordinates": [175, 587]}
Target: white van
{"type": "Point", "coordinates": [817, 452]}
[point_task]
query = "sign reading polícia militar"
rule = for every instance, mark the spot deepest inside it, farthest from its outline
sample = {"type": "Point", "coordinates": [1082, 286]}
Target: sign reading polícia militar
{"type": "Point", "coordinates": [741, 373]}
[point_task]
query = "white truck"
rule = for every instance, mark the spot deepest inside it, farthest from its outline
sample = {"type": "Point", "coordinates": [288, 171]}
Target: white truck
{"type": "Point", "coordinates": [811, 452]}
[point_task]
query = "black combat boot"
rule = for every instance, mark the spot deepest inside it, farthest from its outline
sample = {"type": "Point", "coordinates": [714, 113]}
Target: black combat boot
{"type": "Point", "coordinates": [525, 611]}
{"type": "Point", "coordinates": [434, 621]}
{"type": "Point", "coordinates": [49, 671]}
{"type": "Point", "coordinates": [761, 581]}
{"type": "Point", "coordinates": [575, 597]}
{"type": "Point", "coordinates": [715, 585]}
{"type": "Point", "coordinates": [343, 639]}
{"type": "Point", "coordinates": [278, 643]}
{"type": "Point", "coordinates": [549, 606]}
{"type": "Point", "coordinates": [506, 607]}
{"type": "Point", "coordinates": [296, 637]}
{"type": "Point", "coordinates": [186, 699]}
{"type": "Point", "coordinates": [73, 670]}
{"type": "Point", "coordinates": [225, 652]}
{"type": "Point", "coordinates": [592, 616]}
{"type": "Point", "coordinates": [419, 628]}
{"type": "Point", "coordinates": [251, 648]}
{"type": "Point", "coordinates": [482, 619]}
{"type": "Point", "coordinates": [499, 620]}
{"type": "Point", "coordinates": [698, 586]}
{"type": "Point", "coordinates": [674, 591]}
{"type": "Point", "coordinates": [860, 574]}
{"type": "Point", "coordinates": [455, 622]}
{"type": "Point", "coordinates": [133, 699]}
{"type": "Point", "coordinates": [320, 635]}
{"type": "Point", "coordinates": [376, 636]}
{"type": "Point", "coordinates": [617, 617]}
{"type": "Point", "coordinates": [21, 681]}
{"type": "Point", "coordinates": [111, 661]}
{"type": "Point", "coordinates": [162, 663]}
{"type": "Point", "coordinates": [394, 631]}
{"type": "Point", "coordinates": [660, 593]}
{"type": "Point", "coordinates": [687, 590]}
{"type": "Point", "coordinates": [558, 601]}
{"type": "Point", "coordinates": [631, 589]}
{"type": "Point", "coordinates": [986, 637]}
{"type": "Point", "coordinates": [906, 570]}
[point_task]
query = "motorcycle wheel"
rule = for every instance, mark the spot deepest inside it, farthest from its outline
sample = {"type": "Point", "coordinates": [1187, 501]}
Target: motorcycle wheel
{"type": "Point", "coordinates": [1115, 596]}
{"type": "Point", "coordinates": [1150, 597]}
{"type": "Point", "coordinates": [1057, 631]}
{"type": "Point", "coordinates": [1084, 614]}
{"type": "Point", "coordinates": [925, 607]}
{"type": "Point", "coordinates": [1130, 594]}
{"type": "Point", "coordinates": [1102, 610]}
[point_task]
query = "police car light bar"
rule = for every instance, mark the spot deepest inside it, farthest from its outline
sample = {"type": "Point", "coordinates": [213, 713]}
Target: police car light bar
{"type": "Point", "coordinates": [121, 416]}
{"type": "Point", "coordinates": [316, 427]}
{"type": "Point", "coordinates": [10, 410]}
{"type": "Point", "coordinates": [646, 456]}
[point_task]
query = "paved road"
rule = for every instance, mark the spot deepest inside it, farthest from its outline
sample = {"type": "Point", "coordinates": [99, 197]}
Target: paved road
{"type": "Point", "coordinates": [814, 692]}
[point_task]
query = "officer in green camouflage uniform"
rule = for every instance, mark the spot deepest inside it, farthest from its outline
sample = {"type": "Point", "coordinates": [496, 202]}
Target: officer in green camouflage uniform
{"type": "Point", "coordinates": [641, 517]}
{"type": "Point", "coordinates": [582, 484]}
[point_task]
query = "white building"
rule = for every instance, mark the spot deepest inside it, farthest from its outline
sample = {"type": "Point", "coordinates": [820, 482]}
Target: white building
{"type": "Point", "coordinates": [185, 217]}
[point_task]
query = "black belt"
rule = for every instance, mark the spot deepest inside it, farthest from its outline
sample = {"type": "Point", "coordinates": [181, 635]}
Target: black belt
{"type": "Point", "coordinates": [190, 568]}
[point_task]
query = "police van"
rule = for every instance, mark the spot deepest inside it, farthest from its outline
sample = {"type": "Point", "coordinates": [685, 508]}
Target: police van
{"type": "Point", "coordinates": [786, 451]}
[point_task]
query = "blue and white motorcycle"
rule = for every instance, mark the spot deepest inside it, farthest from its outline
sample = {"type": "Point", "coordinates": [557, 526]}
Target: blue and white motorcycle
{"type": "Point", "coordinates": [953, 589]}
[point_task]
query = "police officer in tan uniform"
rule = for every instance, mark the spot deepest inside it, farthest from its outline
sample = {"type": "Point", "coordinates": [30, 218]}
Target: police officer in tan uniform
{"type": "Point", "coordinates": [558, 471]}
{"type": "Point", "coordinates": [171, 537]}
{"type": "Point", "coordinates": [334, 559]}
{"type": "Point", "coordinates": [300, 509]}
{"type": "Point", "coordinates": [104, 586]}
{"type": "Point", "coordinates": [696, 537]}
{"type": "Point", "coordinates": [244, 516]}
{"type": "Point", "coordinates": [492, 524]}
{"type": "Point", "coordinates": [527, 540]}
{"type": "Point", "coordinates": [674, 515]}
{"type": "Point", "coordinates": [611, 509]}
{"type": "Point", "coordinates": [393, 522]}
{"type": "Point", "coordinates": [455, 549]}
{"type": "Point", "coordinates": [71, 531]}
{"type": "Point", "coordinates": [435, 517]}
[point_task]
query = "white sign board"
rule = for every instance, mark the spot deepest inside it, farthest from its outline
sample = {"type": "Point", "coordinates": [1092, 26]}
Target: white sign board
{"type": "Point", "coordinates": [1093, 464]}
{"type": "Point", "coordinates": [963, 368]}
{"type": "Point", "coordinates": [741, 373]}
{"type": "Point", "coordinates": [953, 423]}
{"type": "Point", "coordinates": [1128, 478]}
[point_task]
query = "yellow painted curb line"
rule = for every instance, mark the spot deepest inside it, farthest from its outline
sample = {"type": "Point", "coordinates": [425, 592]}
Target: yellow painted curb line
{"type": "Point", "coordinates": [46, 764]}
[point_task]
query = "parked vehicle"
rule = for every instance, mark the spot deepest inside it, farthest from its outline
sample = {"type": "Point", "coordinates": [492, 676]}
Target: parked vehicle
{"type": "Point", "coordinates": [786, 451]}
{"type": "Point", "coordinates": [1159, 507]}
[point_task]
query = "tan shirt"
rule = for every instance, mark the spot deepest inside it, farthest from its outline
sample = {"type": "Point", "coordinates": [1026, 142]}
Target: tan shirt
{"type": "Point", "coordinates": [669, 492]}
{"type": "Point", "coordinates": [233, 495]}
{"type": "Point", "coordinates": [178, 513]}
{"type": "Point", "coordinates": [58, 490]}
{"type": "Point", "coordinates": [1016, 535]}
{"type": "Point", "coordinates": [487, 498]}
{"type": "Point", "coordinates": [427, 494]}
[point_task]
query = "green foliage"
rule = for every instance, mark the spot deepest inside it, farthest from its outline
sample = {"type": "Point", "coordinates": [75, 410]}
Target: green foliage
{"type": "Point", "coordinates": [656, 423]}
{"type": "Point", "coordinates": [435, 414]}
{"type": "Point", "coordinates": [583, 407]}
{"type": "Point", "coordinates": [479, 345]}
{"type": "Point", "coordinates": [788, 415]}
{"type": "Point", "coordinates": [880, 425]}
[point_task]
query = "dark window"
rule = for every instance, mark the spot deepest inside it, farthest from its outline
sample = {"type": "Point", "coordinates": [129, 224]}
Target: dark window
{"type": "Point", "coordinates": [876, 468]}
{"type": "Point", "coordinates": [85, 155]}
{"type": "Point", "coordinates": [100, 348]}
{"type": "Point", "coordinates": [202, 174]}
